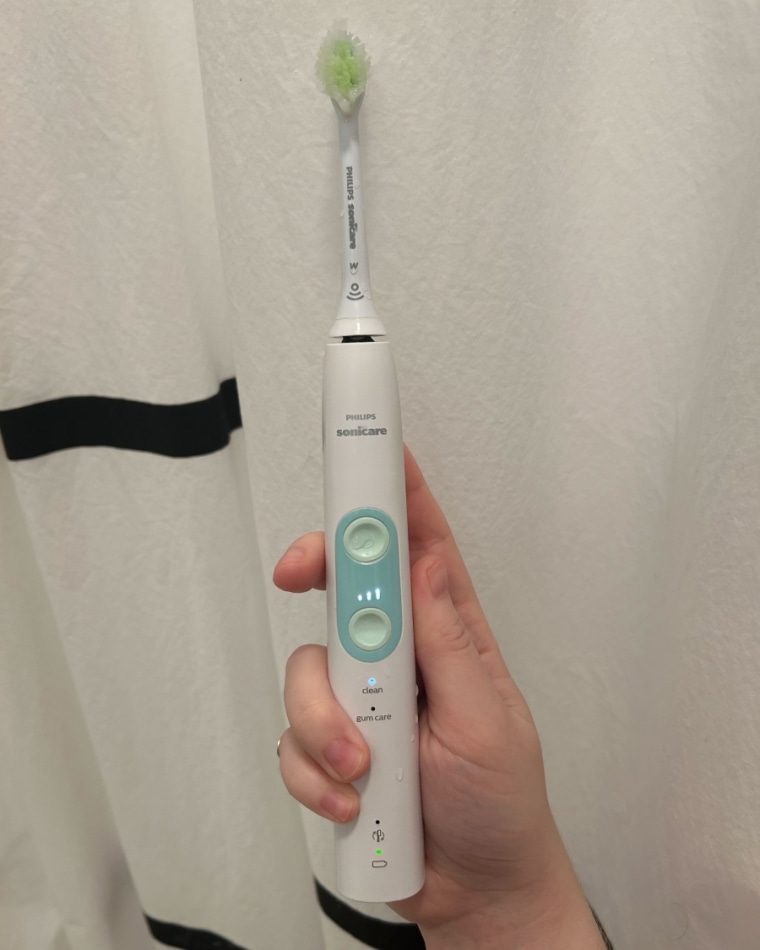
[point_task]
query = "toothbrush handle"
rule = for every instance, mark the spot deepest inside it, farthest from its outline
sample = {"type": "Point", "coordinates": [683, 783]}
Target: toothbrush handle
{"type": "Point", "coordinates": [380, 855]}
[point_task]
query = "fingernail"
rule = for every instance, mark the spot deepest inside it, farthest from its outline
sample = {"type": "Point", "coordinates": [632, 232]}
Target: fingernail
{"type": "Point", "coordinates": [437, 579]}
{"type": "Point", "coordinates": [344, 757]}
{"type": "Point", "coordinates": [340, 806]}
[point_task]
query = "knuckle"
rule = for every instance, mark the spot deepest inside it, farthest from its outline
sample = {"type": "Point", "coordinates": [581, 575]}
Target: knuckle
{"type": "Point", "coordinates": [454, 634]}
{"type": "Point", "coordinates": [311, 716]}
{"type": "Point", "coordinates": [291, 769]}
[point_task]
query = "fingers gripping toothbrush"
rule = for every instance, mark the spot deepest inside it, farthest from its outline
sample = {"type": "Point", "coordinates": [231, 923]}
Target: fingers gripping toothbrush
{"type": "Point", "coordinates": [380, 854]}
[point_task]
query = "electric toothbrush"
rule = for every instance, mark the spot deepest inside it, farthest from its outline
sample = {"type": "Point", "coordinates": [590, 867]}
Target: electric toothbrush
{"type": "Point", "coordinates": [370, 643]}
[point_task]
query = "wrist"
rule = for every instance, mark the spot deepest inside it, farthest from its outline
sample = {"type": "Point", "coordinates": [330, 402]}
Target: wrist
{"type": "Point", "coordinates": [555, 916]}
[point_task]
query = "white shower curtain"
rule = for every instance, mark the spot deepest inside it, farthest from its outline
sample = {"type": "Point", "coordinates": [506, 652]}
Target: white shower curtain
{"type": "Point", "coordinates": [563, 213]}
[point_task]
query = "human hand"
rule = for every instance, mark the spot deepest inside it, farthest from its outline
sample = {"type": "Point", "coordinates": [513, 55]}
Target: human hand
{"type": "Point", "coordinates": [497, 873]}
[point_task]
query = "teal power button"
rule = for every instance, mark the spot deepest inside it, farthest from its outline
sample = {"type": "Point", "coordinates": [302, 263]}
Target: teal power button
{"type": "Point", "coordinates": [370, 628]}
{"type": "Point", "coordinates": [366, 540]}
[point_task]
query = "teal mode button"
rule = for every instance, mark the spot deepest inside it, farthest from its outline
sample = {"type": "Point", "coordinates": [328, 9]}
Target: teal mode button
{"type": "Point", "coordinates": [366, 540]}
{"type": "Point", "coordinates": [370, 628]}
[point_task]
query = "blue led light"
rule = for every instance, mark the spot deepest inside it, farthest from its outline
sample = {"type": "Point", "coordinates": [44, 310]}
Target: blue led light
{"type": "Point", "coordinates": [372, 681]}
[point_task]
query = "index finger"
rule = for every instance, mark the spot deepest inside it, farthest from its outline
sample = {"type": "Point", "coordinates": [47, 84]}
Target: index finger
{"type": "Point", "coordinates": [429, 533]}
{"type": "Point", "coordinates": [302, 566]}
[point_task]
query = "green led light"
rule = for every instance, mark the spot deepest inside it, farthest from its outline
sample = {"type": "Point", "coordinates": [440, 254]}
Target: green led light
{"type": "Point", "coordinates": [379, 851]}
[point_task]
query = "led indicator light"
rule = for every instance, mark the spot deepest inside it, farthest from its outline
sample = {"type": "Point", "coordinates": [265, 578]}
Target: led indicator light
{"type": "Point", "coordinates": [377, 593]}
{"type": "Point", "coordinates": [379, 851]}
{"type": "Point", "coordinates": [372, 681]}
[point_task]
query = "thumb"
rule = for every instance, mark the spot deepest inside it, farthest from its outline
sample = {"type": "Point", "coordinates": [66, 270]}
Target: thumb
{"type": "Point", "coordinates": [463, 704]}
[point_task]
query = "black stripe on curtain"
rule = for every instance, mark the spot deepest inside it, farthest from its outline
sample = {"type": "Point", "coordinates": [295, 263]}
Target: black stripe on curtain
{"type": "Point", "coordinates": [368, 930]}
{"type": "Point", "coordinates": [181, 430]}
{"type": "Point", "coordinates": [187, 938]}
{"type": "Point", "coordinates": [379, 934]}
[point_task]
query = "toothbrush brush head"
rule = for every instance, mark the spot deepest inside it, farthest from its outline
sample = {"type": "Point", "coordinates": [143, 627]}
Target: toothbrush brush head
{"type": "Point", "coordinates": [342, 69]}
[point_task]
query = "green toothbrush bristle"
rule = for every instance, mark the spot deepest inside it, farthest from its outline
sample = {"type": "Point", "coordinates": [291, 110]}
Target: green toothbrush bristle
{"type": "Point", "coordinates": [345, 72]}
{"type": "Point", "coordinates": [342, 69]}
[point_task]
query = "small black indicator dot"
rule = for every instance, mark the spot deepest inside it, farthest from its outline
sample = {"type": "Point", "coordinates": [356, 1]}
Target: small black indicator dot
{"type": "Point", "coordinates": [377, 821]}
{"type": "Point", "coordinates": [372, 708]}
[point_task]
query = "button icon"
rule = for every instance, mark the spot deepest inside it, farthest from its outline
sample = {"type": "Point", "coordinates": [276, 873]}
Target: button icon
{"type": "Point", "coordinates": [366, 540]}
{"type": "Point", "coordinates": [379, 864]}
{"type": "Point", "coordinates": [378, 835]}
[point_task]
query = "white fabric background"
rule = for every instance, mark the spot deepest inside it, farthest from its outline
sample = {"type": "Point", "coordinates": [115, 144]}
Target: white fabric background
{"type": "Point", "coordinates": [562, 208]}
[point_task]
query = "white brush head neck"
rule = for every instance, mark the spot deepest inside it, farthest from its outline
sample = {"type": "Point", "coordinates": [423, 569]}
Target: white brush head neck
{"type": "Point", "coordinates": [356, 312]}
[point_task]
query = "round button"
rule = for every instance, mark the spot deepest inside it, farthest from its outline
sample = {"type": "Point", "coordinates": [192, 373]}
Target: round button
{"type": "Point", "coordinates": [370, 628]}
{"type": "Point", "coordinates": [366, 540]}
